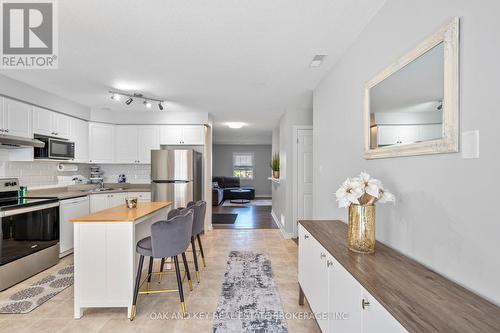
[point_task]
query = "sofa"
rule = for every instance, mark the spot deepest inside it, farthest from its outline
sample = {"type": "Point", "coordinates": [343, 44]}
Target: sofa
{"type": "Point", "coordinates": [225, 185]}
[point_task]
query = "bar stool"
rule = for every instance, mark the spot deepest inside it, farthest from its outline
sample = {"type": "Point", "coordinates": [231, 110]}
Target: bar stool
{"type": "Point", "coordinates": [199, 208]}
{"type": "Point", "coordinates": [168, 239]}
{"type": "Point", "coordinates": [172, 213]}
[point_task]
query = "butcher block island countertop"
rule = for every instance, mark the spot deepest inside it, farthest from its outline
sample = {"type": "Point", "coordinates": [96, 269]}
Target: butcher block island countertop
{"type": "Point", "coordinates": [419, 298]}
{"type": "Point", "coordinates": [123, 214]}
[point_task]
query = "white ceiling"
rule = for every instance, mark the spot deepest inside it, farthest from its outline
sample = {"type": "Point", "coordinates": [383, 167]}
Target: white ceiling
{"type": "Point", "coordinates": [239, 60]}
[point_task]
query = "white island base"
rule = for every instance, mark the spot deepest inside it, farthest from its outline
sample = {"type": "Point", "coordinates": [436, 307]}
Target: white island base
{"type": "Point", "coordinates": [104, 254]}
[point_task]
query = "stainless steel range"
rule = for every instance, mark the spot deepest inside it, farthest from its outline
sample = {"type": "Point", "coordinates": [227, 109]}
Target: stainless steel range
{"type": "Point", "coordinates": [29, 237]}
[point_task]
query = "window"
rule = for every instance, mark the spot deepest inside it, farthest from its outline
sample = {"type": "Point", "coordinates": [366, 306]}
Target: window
{"type": "Point", "coordinates": [243, 165]}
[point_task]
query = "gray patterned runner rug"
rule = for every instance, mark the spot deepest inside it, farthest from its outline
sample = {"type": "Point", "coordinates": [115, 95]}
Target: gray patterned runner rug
{"type": "Point", "coordinates": [250, 301]}
{"type": "Point", "coordinates": [26, 300]}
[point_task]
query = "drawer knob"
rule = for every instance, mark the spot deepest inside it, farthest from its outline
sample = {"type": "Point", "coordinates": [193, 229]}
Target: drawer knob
{"type": "Point", "coordinates": [306, 236]}
{"type": "Point", "coordinates": [322, 255]}
{"type": "Point", "coordinates": [365, 303]}
{"type": "Point", "coordinates": [329, 263]}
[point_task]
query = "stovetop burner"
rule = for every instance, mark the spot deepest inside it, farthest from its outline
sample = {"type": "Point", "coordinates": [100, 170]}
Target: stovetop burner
{"type": "Point", "coordinates": [19, 202]}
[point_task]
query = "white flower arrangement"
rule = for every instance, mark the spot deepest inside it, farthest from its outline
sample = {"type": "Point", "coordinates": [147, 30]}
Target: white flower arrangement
{"type": "Point", "coordinates": [363, 190]}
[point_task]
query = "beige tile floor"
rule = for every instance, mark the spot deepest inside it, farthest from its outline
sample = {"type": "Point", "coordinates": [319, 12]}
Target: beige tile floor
{"type": "Point", "coordinates": [56, 315]}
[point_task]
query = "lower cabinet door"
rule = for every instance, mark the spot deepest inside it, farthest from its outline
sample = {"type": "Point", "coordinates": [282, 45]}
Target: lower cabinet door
{"type": "Point", "coordinates": [376, 318]}
{"type": "Point", "coordinates": [318, 298]}
{"type": "Point", "coordinates": [98, 202]}
{"type": "Point", "coordinates": [116, 199]}
{"type": "Point", "coordinates": [345, 295]}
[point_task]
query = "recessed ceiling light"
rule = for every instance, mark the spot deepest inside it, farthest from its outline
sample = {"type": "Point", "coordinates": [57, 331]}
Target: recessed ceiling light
{"type": "Point", "coordinates": [235, 125]}
{"type": "Point", "coordinates": [317, 60]}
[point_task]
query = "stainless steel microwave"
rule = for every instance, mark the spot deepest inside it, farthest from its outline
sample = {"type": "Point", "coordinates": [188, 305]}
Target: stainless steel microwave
{"type": "Point", "coordinates": [57, 149]}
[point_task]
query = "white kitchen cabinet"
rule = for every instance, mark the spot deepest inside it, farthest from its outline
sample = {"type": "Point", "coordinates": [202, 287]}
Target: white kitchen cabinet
{"type": "Point", "coordinates": [62, 125]}
{"type": "Point", "coordinates": [80, 136]}
{"type": "Point", "coordinates": [42, 121]}
{"type": "Point", "coordinates": [148, 138]}
{"type": "Point", "coordinates": [102, 138]}
{"type": "Point", "coordinates": [16, 118]}
{"type": "Point", "coordinates": [50, 123]}
{"type": "Point", "coordinates": [375, 318]}
{"type": "Point", "coordinates": [344, 297]}
{"type": "Point", "coordinates": [106, 200]}
{"type": "Point", "coordinates": [126, 144]}
{"type": "Point", "coordinates": [68, 209]}
{"type": "Point", "coordinates": [116, 199]}
{"type": "Point", "coordinates": [331, 289]}
{"type": "Point", "coordinates": [182, 135]}
{"type": "Point", "coordinates": [141, 196]}
{"type": "Point", "coordinates": [134, 143]}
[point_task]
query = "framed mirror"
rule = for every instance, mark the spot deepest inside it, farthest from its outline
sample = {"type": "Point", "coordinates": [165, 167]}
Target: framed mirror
{"type": "Point", "coordinates": [412, 106]}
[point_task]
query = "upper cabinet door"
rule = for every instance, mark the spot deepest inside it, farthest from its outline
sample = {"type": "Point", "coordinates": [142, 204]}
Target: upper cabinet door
{"type": "Point", "coordinates": [148, 138]}
{"type": "Point", "coordinates": [42, 121]}
{"type": "Point", "coordinates": [170, 135]}
{"type": "Point", "coordinates": [126, 144]}
{"type": "Point", "coordinates": [102, 138]}
{"type": "Point", "coordinates": [17, 118]}
{"type": "Point", "coordinates": [61, 125]}
{"type": "Point", "coordinates": [193, 135]}
{"type": "Point", "coordinates": [80, 135]}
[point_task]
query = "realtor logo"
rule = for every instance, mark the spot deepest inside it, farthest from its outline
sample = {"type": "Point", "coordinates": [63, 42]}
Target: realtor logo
{"type": "Point", "coordinates": [29, 34]}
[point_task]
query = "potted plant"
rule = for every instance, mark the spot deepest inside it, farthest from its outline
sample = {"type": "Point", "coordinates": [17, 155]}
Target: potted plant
{"type": "Point", "coordinates": [275, 166]}
{"type": "Point", "coordinates": [360, 194]}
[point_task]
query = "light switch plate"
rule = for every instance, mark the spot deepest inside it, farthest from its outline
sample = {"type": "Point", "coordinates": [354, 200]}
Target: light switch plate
{"type": "Point", "coordinates": [470, 144]}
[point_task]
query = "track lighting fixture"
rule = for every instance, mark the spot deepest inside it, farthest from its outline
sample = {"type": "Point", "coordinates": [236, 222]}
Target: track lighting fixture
{"type": "Point", "coordinates": [116, 96]}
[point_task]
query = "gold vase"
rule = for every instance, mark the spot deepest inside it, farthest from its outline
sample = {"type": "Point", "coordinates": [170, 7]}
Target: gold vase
{"type": "Point", "coordinates": [361, 229]}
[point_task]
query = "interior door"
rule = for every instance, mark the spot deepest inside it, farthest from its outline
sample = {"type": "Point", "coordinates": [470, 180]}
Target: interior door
{"type": "Point", "coordinates": [304, 174]}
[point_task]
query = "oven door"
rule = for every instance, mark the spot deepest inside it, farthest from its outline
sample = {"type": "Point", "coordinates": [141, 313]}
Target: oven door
{"type": "Point", "coordinates": [28, 230]}
{"type": "Point", "coordinates": [60, 149]}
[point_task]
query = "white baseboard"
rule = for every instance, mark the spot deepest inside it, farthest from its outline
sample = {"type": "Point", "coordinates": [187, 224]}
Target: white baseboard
{"type": "Point", "coordinates": [285, 234]}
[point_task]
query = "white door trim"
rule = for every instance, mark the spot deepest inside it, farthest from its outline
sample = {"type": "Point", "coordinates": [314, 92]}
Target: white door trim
{"type": "Point", "coordinates": [295, 181]}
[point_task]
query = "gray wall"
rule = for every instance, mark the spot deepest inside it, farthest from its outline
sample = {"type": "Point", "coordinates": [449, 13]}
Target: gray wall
{"type": "Point", "coordinates": [222, 165]}
{"type": "Point", "coordinates": [446, 211]}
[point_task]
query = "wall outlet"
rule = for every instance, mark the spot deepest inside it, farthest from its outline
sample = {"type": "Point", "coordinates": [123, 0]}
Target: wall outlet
{"type": "Point", "coordinates": [470, 144]}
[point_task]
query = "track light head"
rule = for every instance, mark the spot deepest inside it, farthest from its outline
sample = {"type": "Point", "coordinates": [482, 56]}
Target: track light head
{"type": "Point", "coordinates": [160, 106]}
{"type": "Point", "coordinates": [115, 97]}
{"type": "Point", "coordinates": [129, 101]}
{"type": "Point", "coordinates": [147, 104]}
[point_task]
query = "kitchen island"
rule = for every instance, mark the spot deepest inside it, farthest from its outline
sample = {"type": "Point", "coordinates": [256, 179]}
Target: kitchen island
{"type": "Point", "coordinates": [104, 253]}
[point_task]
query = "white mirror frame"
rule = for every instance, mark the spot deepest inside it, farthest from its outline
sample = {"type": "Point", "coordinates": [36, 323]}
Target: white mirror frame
{"type": "Point", "coordinates": [449, 36]}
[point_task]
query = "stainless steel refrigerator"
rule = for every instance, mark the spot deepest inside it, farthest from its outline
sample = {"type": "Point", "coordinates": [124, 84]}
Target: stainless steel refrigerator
{"type": "Point", "coordinates": [176, 175]}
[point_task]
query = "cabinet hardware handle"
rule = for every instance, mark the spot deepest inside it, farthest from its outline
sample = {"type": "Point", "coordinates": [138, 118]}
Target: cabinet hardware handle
{"type": "Point", "coordinates": [329, 263]}
{"type": "Point", "coordinates": [7, 130]}
{"type": "Point", "coordinates": [365, 303]}
{"type": "Point", "coordinates": [306, 236]}
{"type": "Point", "coordinates": [322, 255]}
{"type": "Point", "coordinates": [1, 130]}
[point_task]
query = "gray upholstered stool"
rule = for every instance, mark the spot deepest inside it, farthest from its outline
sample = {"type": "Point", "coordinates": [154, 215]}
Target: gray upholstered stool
{"type": "Point", "coordinates": [168, 239]}
{"type": "Point", "coordinates": [199, 209]}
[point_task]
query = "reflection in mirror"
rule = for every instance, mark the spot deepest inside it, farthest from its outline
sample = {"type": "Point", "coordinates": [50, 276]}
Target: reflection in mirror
{"type": "Point", "coordinates": [407, 107]}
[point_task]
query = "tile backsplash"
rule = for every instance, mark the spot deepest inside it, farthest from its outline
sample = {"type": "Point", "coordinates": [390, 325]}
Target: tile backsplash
{"type": "Point", "coordinates": [35, 174]}
{"type": "Point", "coordinates": [41, 174]}
{"type": "Point", "coordinates": [135, 173]}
